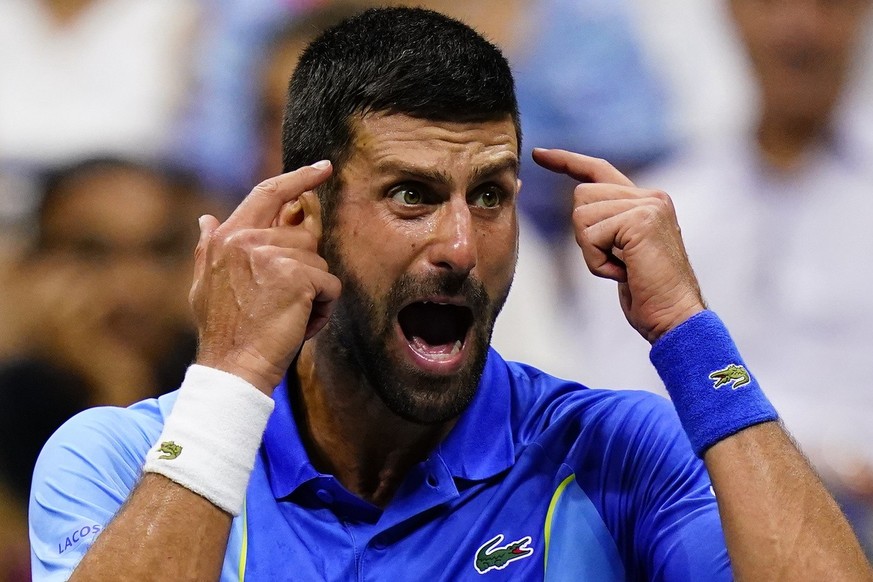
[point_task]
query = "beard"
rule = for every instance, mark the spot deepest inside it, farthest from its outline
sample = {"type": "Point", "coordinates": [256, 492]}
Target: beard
{"type": "Point", "coordinates": [362, 328]}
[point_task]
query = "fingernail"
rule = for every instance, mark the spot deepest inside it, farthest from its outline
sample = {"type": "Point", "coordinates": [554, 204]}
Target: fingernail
{"type": "Point", "coordinates": [200, 221]}
{"type": "Point", "coordinates": [322, 165]}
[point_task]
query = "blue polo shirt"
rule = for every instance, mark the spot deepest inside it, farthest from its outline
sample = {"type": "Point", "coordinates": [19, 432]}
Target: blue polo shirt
{"type": "Point", "coordinates": [540, 479]}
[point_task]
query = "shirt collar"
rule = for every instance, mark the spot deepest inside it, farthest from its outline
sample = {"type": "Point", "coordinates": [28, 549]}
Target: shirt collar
{"type": "Point", "coordinates": [286, 459]}
{"type": "Point", "coordinates": [478, 447]}
{"type": "Point", "coordinates": [481, 444]}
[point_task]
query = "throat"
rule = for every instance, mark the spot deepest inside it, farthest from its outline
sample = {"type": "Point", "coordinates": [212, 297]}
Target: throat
{"type": "Point", "coordinates": [349, 433]}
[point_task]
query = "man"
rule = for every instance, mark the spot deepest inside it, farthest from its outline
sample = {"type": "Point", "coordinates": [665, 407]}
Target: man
{"type": "Point", "coordinates": [748, 201]}
{"type": "Point", "coordinates": [99, 297]}
{"type": "Point", "coordinates": [98, 293]}
{"type": "Point", "coordinates": [398, 443]}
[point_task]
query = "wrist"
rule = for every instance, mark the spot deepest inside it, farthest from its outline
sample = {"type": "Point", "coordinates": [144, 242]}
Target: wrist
{"type": "Point", "coordinates": [211, 437]}
{"type": "Point", "coordinates": [671, 318]}
{"type": "Point", "coordinates": [713, 391]}
{"type": "Point", "coordinates": [250, 367]}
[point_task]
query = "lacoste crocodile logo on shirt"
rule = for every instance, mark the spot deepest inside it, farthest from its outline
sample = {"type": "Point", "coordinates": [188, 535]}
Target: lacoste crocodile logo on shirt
{"type": "Point", "coordinates": [491, 557]}
{"type": "Point", "coordinates": [733, 373]}
{"type": "Point", "coordinates": [170, 449]}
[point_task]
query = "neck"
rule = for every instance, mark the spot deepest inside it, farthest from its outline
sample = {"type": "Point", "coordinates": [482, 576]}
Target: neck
{"type": "Point", "coordinates": [350, 433]}
{"type": "Point", "coordinates": [783, 139]}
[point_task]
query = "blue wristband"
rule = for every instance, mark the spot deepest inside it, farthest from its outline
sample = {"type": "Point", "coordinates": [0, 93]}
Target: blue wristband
{"type": "Point", "coordinates": [710, 385]}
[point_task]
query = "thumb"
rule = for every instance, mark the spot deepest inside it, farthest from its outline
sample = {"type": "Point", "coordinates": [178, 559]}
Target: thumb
{"type": "Point", "coordinates": [208, 224]}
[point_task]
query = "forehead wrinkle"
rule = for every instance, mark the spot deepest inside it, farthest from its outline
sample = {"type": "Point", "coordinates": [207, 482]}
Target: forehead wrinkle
{"type": "Point", "coordinates": [485, 170]}
{"type": "Point", "coordinates": [378, 141]}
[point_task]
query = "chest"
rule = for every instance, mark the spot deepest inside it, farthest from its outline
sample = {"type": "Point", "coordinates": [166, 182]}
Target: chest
{"type": "Point", "coordinates": [532, 523]}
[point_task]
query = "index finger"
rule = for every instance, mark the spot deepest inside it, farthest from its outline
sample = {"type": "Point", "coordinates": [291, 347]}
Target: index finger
{"type": "Point", "coordinates": [580, 167]}
{"type": "Point", "coordinates": [261, 206]}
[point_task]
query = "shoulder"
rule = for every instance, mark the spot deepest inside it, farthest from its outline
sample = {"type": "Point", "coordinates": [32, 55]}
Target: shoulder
{"type": "Point", "coordinates": [106, 431]}
{"type": "Point", "coordinates": [628, 453]}
{"type": "Point", "coordinates": [98, 454]}
{"type": "Point", "coordinates": [544, 403]}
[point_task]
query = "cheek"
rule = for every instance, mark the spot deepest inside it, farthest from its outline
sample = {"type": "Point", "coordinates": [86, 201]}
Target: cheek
{"type": "Point", "coordinates": [498, 253]}
{"type": "Point", "coordinates": [376, 251]}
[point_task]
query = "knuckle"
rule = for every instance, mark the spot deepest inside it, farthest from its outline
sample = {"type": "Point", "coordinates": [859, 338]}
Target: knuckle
{"type": "Point", "coordinates": [309, 240]}
{"type": "Point", "coordinates": [580, 216]}
{"type": "Point", "coordinates": [239, 238]}
{"type": "Point", "coordinates": [263, 256]}
{"type": "Point", "coordinates": [267, 187]}
{"type": "Point", "coordinates": [664, 203]}
{"type": "Point", "coordinates": [579, 191]}
{"type": "Point", "coordinates": [650, 212]}
{"type": "Point", "coordinates": [321, 263]}
{"type": "Point", "coordinates": [662, 196]}
{"type": "Point", "coordinates": [602, 164]}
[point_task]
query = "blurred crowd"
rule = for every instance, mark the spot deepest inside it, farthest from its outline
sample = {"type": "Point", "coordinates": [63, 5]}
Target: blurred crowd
{"type": "Point", "coordinates": [122, 121]}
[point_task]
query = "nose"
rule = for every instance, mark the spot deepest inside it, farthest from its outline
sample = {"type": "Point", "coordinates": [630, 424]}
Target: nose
{"type": "Point", "coordinates": [453, 246]}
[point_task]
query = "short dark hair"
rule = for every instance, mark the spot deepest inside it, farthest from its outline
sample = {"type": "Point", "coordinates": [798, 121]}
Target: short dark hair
{"type": "Point", "coordinates": [411, 61]}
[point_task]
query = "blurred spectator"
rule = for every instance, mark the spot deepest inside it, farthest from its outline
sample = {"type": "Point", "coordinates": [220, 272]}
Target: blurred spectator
{"type": "Point", "coordinates": [101, 300]}
{"type": "Point", "coordinates": [221, 129]}
{"type": "Point", "coordinates": [286, 42]}
{"type": "Point", "coordinates": [775, 215]}
{"type": "Point", "coordinates": [88, 77]}
{"type": "Point", "coordinates": [584, 85]}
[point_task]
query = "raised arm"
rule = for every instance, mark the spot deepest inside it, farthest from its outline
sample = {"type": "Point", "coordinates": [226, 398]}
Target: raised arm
{"type": "Point", "coordinates": [779, 521]}
{"type": "Point", "coordinates": [260, 289]}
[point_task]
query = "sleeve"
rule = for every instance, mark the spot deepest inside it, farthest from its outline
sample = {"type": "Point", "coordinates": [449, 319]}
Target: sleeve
{"type": "Point", "coordinates": [83, 475]}
{"type": "Point", "coordinates": [653, 493]}
{"type": "Point", "coordinates": [678, 532]}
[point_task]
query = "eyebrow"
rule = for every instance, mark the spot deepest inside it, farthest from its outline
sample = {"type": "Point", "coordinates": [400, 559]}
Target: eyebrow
{"type": "Point", "coordinates": [439, 176]}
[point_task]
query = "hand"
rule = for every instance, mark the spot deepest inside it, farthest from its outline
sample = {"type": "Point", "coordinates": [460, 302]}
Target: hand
{"type": "Point", "coordinates": [260, 287]}
{"type": "Point", "coordinates": [630, 235]}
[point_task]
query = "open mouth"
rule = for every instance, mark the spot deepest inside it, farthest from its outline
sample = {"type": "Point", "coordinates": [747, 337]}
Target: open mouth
{"type": "Point", "coordinates": [435, 331]}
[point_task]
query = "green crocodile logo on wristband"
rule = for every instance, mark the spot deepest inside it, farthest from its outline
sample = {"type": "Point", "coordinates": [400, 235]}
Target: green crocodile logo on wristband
{"type": "Point", "coordinates": [733, 373]}
{"type": "Point", "coordinates": [170, 449]}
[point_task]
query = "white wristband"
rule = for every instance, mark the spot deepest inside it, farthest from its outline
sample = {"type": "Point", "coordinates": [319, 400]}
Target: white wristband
{"type": "Point", "coordinates": [212, 435]}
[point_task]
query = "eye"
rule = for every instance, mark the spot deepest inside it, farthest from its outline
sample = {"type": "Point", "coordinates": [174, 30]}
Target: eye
{"type": "Point", "coordinates": [408, 195]}
{"type": "Point", "coordinates": [490, 197]}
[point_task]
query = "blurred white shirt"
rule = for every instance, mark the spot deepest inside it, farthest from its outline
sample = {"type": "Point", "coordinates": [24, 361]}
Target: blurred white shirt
{"type": "Point", "coordinates": [784, 258]}
{"type": "Point", "coordinates": [111, 81]}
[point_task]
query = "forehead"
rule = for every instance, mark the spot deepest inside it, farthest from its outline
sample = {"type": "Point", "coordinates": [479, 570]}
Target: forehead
{"type": "Point", "coordinates": [114, 203]}
{"type": "Point", "coordinates": [383, 140]}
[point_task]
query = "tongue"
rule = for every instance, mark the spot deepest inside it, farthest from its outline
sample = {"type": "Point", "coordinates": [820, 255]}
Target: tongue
{"type": "Point", "coordinates": [426, 349]}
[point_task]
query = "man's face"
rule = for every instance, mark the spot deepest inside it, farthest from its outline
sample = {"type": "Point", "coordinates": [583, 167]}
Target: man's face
{"type": "Point", "coordinates": [121, 233]}
{"type": "Point", "coordinates": [801, 50]}
{"type": "Point", "coordinates": [425, 244]}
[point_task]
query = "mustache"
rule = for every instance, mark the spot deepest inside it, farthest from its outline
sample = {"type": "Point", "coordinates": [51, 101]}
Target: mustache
{"type": "Point", "coordinates": [449, 284]}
